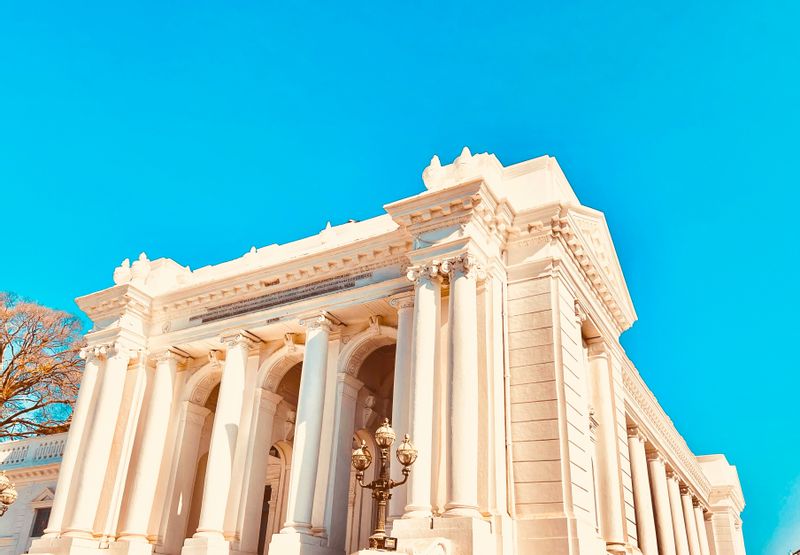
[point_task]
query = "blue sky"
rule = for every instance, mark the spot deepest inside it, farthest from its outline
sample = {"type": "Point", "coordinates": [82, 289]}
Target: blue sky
{"type": "Point", "coordinates": [195, 130]}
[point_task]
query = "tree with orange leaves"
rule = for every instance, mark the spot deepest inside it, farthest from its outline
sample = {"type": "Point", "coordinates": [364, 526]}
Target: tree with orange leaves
{"type": "Point", "coordinates": [40, 368]}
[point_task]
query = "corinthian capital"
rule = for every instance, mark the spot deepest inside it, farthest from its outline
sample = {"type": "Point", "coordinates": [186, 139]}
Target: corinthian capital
{"type": "Point", "coordinates": [323, 320]}
{"type": "Point", "coordinates": [239, 338]}
{"type": "Point", "coordinates": [464, 264]}
{"type": "Point", "coordinates": [427, 271]}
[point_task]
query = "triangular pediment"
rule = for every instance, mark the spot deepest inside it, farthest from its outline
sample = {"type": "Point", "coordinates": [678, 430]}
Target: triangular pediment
{"type": "Point", "coordinates": [45, 495]}
{"type": "Point", "coordinates": [592, 231]}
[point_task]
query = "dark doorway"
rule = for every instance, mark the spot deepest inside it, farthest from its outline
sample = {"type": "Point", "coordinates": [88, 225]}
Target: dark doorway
{"type": "Point", "coordinates": [262, 533]}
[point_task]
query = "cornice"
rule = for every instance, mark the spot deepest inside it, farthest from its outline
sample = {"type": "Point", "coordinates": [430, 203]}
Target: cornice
{"type": "Point", "coordinates": [116, 301]}
{"type": "Point", "coordinates": [671, 445]}
{"type": "Point", "coordinates": [361, 256]}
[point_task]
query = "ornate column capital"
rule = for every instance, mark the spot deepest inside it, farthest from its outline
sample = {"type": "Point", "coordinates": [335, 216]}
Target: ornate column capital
{"type": "Point", "coordinates": [402, 301]}
{"type": "Point", "coordinates": [696, 503]}
{"type": "Point", "coordinates": [239, 338]}
{"type": "Point", "coordinates": [464, 264]}
{"type": "Point", "coordinates": [655, 456]}
{"type": "Point", "coordinates": [684, 489]}
{"type": "Point", "coordinates": [321, 320]}
{"type": "Point", "coordinates": [95, 352]}
{"type": "Point", "coordinates": [216, 357]}
{"type": "Point", "coordinates": [634, 432]}
{"type": "Point", "coordinates": [671, 475]}
{"type": "Point", "coordinates": [172, 355]}
{"type": "Point", "coordinates": [597, 347]}
{"type": "Point", "coordinates": [431, 270]}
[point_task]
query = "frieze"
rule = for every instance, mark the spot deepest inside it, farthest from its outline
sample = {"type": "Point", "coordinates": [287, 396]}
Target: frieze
{"type": "Point", "coordinates": [302, 292]}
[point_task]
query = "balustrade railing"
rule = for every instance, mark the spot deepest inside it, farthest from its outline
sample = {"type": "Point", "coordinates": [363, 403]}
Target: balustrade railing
{"type": "Point", "coordinates": [32, 451]}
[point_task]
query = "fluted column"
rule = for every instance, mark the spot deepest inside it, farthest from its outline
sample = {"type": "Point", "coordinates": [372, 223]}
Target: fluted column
{"type": "Point", "coordinates": [462, 460]}
{"type": "Point", "coordinates": [95, 456]}
{"type": "Point", "coordinates": [308, 427]}
{"type": "Point", "coordinates": [224, 431]}
{"type": "Point", "coordinates": [609, 487]}
{"type": "Point", "coordinates": [691, 524]}
{"type": "Point", "coordinates": [95, 359]}
{"type": "Point", "coordinates": [702, 533]}
{"type": "Point", "coordinates": [404, 303]}
{"type": "Point", "coordinates": [151, 448]}
{"type": "Point", "coordinates": [659, 490]}
{"type": "Point", "coordinates": [427, 300]}
{"type": "Point", "coordinates": [643, 503]}
{"type": "Point", "coordinates": [253, 484]}
{"type": "Point", "coordinates": [678, 523]}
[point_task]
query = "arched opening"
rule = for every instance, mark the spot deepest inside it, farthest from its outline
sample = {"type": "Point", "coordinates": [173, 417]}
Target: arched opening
{"type": "Point", "coordinates": [373, 405]}
{"type": "Point", "coordinates": [193, 519]}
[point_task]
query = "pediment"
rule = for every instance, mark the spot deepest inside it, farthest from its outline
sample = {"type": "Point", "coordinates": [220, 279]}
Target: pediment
{"type": "Point", "coordinates": [592, 231]}
{"type": "Point", "coordinates": [45, 495]}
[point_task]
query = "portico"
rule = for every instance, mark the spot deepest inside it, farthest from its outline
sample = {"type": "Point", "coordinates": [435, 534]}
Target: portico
{"type": "Point", "coordinates": [220, 406]}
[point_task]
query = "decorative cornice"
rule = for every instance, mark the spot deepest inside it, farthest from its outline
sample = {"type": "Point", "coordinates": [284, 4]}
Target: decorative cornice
{"type": "Point", "coordinates": [644, 404]}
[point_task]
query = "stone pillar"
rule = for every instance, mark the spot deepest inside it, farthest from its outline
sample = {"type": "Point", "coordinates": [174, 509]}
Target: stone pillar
{"type": "Point", "coordinates": [95, 456]}
{"type": "Point", "coordinates": [221, 453]}
{"type": "Point", "coordinates": [404, 303]}
{"type": "Point", "coordinates": [609, 487]}
{"type": "Point", "coordinates": [691, 524]}
{"type": "Point", "coordinates": [462, 474]}
{"type": "Point", "coordinates": [643, 504]}
{"type": "Point", "coordinates": [678, 523]}
{"type": "Point", "coordinates": [700, 526]}
{"type": "Point", "coordinates": [253, 483]}
{"type": "Point", "coordinates": [659, 490]}
{"type": "Point", "coordinates": [151, 449]}
{"type": "Point", "coordinates": [427, 299]}
{"type": "Point", "coordinates": [347, 388]}
{"type": "Point", "coordinates": [182, 474]}
{"type": "Point", "coordinates": [95, 359]}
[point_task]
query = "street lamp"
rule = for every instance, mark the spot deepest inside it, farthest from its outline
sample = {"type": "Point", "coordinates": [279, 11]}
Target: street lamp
{"type": "Point", "coordinates": [382, 487]}
{"type": "Point", "coordinates": [8, 494]}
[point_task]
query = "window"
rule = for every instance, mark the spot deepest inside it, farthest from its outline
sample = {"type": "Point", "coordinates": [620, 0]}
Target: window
{"type": "Point", "coordinates": [40, 518]}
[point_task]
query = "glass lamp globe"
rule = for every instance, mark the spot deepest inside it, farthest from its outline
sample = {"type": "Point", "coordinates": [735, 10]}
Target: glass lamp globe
{"type": "Point", "coordinates": [406, 453]}
{"type": "Point", "coordinates": [385, 436]}
{"type": "Point", "coordinates": [362, 458]}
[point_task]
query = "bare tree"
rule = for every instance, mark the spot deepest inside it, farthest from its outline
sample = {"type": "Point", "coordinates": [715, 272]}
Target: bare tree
{"type": "Point", "coordinates": [40, 368]}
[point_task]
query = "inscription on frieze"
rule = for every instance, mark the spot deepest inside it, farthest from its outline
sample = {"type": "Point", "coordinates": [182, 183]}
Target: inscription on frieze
{"type": "Point", "coordinates": [287, 296]}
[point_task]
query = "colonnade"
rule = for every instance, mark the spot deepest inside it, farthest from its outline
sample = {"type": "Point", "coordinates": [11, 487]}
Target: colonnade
{"type": "Point", "coordinates": [670, 518]}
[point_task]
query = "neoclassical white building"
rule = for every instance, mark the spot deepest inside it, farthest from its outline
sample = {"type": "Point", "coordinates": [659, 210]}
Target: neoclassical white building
{"type": "Point", "coordinates": [219, 406]}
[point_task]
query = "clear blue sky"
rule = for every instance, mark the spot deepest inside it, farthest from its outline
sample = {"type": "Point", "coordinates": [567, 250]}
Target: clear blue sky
{"type": "Point", "coordinates": [194, 130]}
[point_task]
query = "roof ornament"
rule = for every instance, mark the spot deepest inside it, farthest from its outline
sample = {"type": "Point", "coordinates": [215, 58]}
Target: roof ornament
{"type": "Point", "coordinates": [122, 273]}
{"type": "Point", "coordinates": [140, 269]}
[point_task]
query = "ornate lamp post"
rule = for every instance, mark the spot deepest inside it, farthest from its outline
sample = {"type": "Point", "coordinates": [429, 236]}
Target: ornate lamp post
{"type": "Point", "coordinates": [8, 494]}
{"type": "Point", "coordinates": [382, 487]}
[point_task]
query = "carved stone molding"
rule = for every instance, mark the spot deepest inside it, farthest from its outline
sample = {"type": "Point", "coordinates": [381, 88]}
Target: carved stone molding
{"type": "Point", "coordinates": [402, 300]}
{"type": "Point", "coordinates": [464, 264]}
{"type": "Point", "coordinates": [428, 271]}
{"type": "Point", "coordinates": [655, 456]}
{"type": "Point", "coordinates": [239, 339]}
{"type": "Point", "coordinates": [180, 358]}
{"type": "Point", "coordinates": [635, 433]}
{"type": "Point", "coordinates": [216, 357]}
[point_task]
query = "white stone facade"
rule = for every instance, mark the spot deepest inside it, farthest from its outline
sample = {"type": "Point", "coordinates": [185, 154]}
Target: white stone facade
{"type": "Point", "coordinates": [219, 406]}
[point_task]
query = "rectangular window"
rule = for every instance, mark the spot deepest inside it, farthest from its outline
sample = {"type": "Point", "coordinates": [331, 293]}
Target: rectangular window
{"type": "Point", "coordinates": [40, 518]}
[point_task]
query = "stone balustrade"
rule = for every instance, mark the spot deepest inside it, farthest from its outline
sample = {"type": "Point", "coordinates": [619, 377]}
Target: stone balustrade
{"type": "Point", "coordinates": [32, 452]}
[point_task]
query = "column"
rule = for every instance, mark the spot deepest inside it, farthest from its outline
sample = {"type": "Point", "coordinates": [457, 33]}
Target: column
{"type": "Point", "coordinates": [151, 449]}
{"type": "Point", "coordinates": [659, 490]}
{"type": "Point", "coordinates": [427, 298]}
{"type": "Point", "coordinates": [347, 388]}
{"type": "Point", "coordinates": [609, 487]}
{"type": "Point", "coordinates": [182, 474]}
{"type": "Point", "coordinates": [462, 460]}
{"type": "Point", "coordinates": [690, 523]}
{"type": "Point", "coordinates": [643, 504]}
{"type": "Point", "coordinates": [95, 456]}
{"type": "Point", "coordinates": [95, 358]}
{"type": "Point", "coordinates": [253, 484]}
{"type": "Point", "coordinates": [223, 437]}
{"type": "Point", "coordinates": [678, 523]}
{"type": "Point", "coordinates": [700, 525]}
{"type": "Point", "coordinates": [404, 303]}
{"type": "Point", "coordinates": [308, 427]}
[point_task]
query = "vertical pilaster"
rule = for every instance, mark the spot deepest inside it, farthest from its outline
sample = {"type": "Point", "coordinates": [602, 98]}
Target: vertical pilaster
{"type": "Point", "coordinates": [151, 449]}
{"type": "Point", "coordinates": [691, 524]}
{"type": "Point", "coordinates": [427, 300]}
{"type": "Point", "coordinates": [253, 483]}
{"type": "Point", "coordinates": [401, 392]}
{"type": "Point", "coordinates": [609, 487]}
{"type": "Point", "coordinates": [678, 523]}
{"type": "Point", "coordinates": [700, 526]}
{"type": "Point", "coordinates": [95, 456]}
{"type": "Point", "coordinates": [643, 504]}
{"type": "Point", "coordinates": [308, 427]}
{"type": "Point", "coordinates": [224, 433]}
{"type": "Point", "coordinates": [95, 359]}
{"type": "Point", "coordinates": [660, 492]}
{"type": "Point", "coordinates": [462, 446]}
